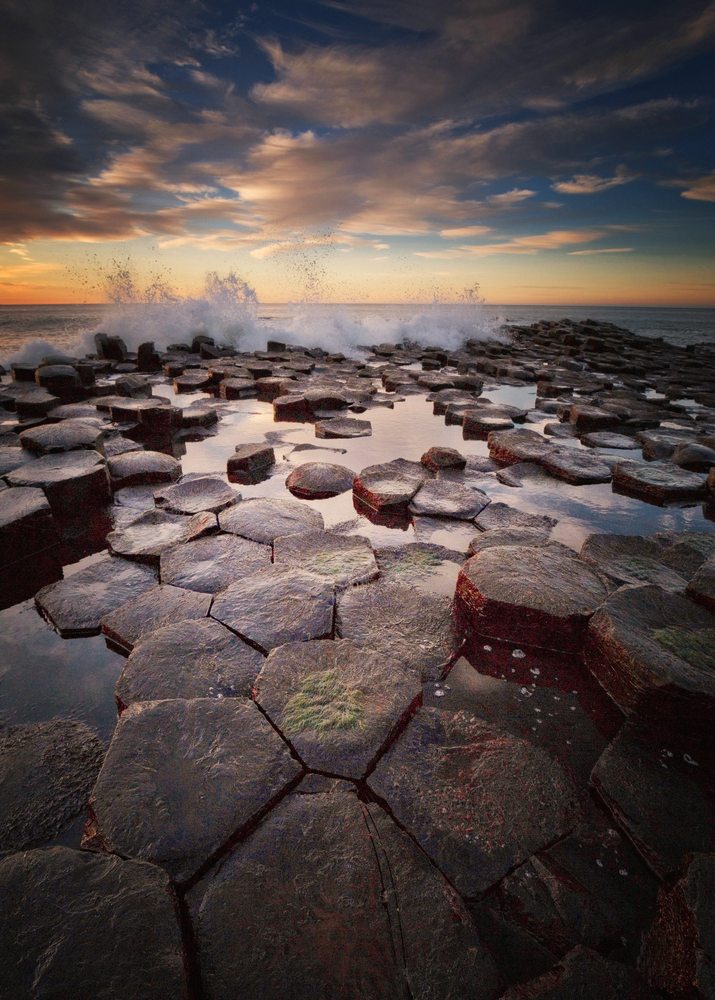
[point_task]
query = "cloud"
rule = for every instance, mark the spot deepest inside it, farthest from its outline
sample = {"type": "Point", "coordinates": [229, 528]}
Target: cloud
{"type": "Point", "coordinates": [591, 184]}
{"type": "Point", "coordinates": [556, 239]}
{"type": "Point", "coordinates": [576, 253]}
{"type": "Point", "coordinates": [703, 189]}
{"type": "Point", "coordinates": [464, 232]}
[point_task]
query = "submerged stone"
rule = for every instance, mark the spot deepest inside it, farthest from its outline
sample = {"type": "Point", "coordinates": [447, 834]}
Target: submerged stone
{"type": "Point", "coordinates": [196, 495]}
{"type": "Point", "coordinates": [501, 515]}
{"type": "Point", "coordinates": [441, 498]}
{"type": "Point", "coordinates": [343, 427]}
{"type": "Point", "coordinates": [162, 605]}
{"type": "Point", "coordinates": [391, 484]}
{"type": "Point", "coordinates": [342, 560]}
{"type": "Point", "coordinates": [319, 480]}
{"type": "Point", "coordinates": [507, 536]}
{"type": "Point", "coordinates": [657, 482]}
{"type": "Point", "coordinates": [210, 564]}
{"type": "Point", "coordinates": [420, 564]}
{"type": "Point", "coordinates": [70, 480]}
{"type": "Point", "coordinates": [146, 537]}
{"type": "Point", "coordinates": [264, 519]}
{"type": "Point", "coordinates": [140, 468]}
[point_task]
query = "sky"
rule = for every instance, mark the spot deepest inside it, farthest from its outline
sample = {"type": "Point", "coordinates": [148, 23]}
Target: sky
{"type": "Point", "coordinates": [529, 151]}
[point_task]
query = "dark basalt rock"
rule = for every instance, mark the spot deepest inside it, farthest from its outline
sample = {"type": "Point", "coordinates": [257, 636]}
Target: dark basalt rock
{"type": "Point", "coordinates": [191, 381]}
{"type": "Point", "coordinates": [679, 950]}
{"type": "Point", "coordinates": [443, 458]}
{"type": "Point", "coordinates": [196, 495]}
{"type": "Point", "coordinates": [47, 770]}
{"type": "Point", "coordinates": [657, 482]}
{"type": "Point", "coordinates": [695, 457]}
{"type": "Point", "coordinates": [162, 605]}
{"type": "Point", "coordinates": [576, 466]}
{"type": "Point", "coordinates": [540, 596]}
{"type": "Point", "coordinates": [12, 458]}
{"type": "Point", "coordinates": [211, 564]}
{"type": "Point", "coordinates": [415, 628]}
{"type": "Point", "coordinates": [263, 520]}
{"type": "Point", "coordinates": [342, 560]}
{"type": "Point", "coordinates": [26, 524]}
{"type": "Point", "coordinates": [587, 418]}
{"type": "Point", "coordinates": [343, 427]}
{"type": "Point", "coordinates": [134, 386]}
{"type": "Point", "coordinates": [702, 586]}
{"type": "Point", "coordinates": [477, 799]}
{"type": "Point", "coordinates": [607, 439]}
{"type": "Point", "coordinates": [585, 975]}
{"type": "Point", "coordinates": [146, 537]}
{"type": "Point", "coordinates": [191, 659]}
{"type": "Point", "coordinates": [68, 435]}
{"type": "Point", "coordinates": [56, 902]}
{"type": "Point", "coordinates": [478, 424]}
{"type": "Point", "coordinates": [277, 605]}
{"type": "Point", "coordinates": [70, 480]}
{"type": "Point", "coordinates": [182, 777]}
{"type": "Point", "coordinates": [251, 457]}
{"type": "Point", "coordinates": [141, 468]}
{"type": "Point", "coordinates": [387, 925]}
{"type": "Point", "coordinates": [501, 515]}
{"type": "Point", "coordinates": [336, 702]}
{"type": "Point", "coordinates": [507, 536]}
{"type": "Point", "coordinates": [441, 498]}
{"type": "Point", "coordinates": [119, 445]}
{"type": "Point", "coordinates": [519, 445]}
{"type": "Point", "coordinates": [653, 652]}
{"type": "Point", "coordinates": [652, 794]}
{"type": "Point", "coordinates": [391, 484]}
{"type": "Point", "coordinates": [632, 559]}
{"type": "Point", "coordinates": [319, 480]}
{"type": "Point", "coordinates": [59, 379]}
{"type": "Point", "coordinates": [291, 407]}
{"type": "Point", "coordinates": [420, 564]}
{"type": "Point", "coordinates": [522, 472]}
{"type": "Point", "coordinates": [235, 388]}
{"type": "Point", "coordinates": [76, 605]}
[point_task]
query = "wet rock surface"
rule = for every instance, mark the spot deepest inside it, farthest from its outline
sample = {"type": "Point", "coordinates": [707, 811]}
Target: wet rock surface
{"type": "Point", "coordinates": [342, 427]}
{"type": "Point", "coordinates": [577, 467]}
{"type": "Point", "coordinates": [162, 605]}
{"type": "Point", "coordinates": [501, 515]}
{"type": "Point", "coordinates": [520, 445]}
{"type": "Point", "coordinates": [586, 975]}
{"type": "Point", "coordinates": [635, 560]}
{"type": "Point", "coordinates": [263, 520]}
{"type": "Point", "coordinates": [68, 435]}
{"type": "Point", "coordinates": [139, 468]}
{"type": "Point", "coordinates": [196, 495]}
{"type": "Point", "coordinates": [210, 564]}
{"type": "Point", "coordinates": [69, 480]}
{"type": "Point", "coordinates": [702, 586]}
{"type": "Point", "coordinates": [440, 498]}
{"type": "Point", "coordinates": [26, 524]}
{"type": "Point", "coordinates": [147, 536]}
{"type": "Point", "coordinates": [342, 561]}
{"type": "Point", "coordinates": [251, 458]}
{"type": "Point", "coordinates": [657, 482]}
{"type": "Point", "coordinates": [319, 480]}
{"type": "Point", "coordinates": [391, 484]}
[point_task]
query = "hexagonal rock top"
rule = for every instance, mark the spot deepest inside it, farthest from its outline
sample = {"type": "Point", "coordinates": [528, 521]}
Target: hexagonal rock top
{"type": "Point", "coordinates": [162, 605]}
{"type": "Point", "coordinates": [506, 536]}
{"type": "Point", "coordinates": [584, 974]}
{"type": "Point", "coordinates": [12, 458]}
{"type": "Point", "coordinates": [404, 623]}
{"type": "Point", "coordinates": [196, 495]}
{"type": "Point", "coordinates": [702, 586]}
{"type": "Point", "coordinates": [68, 435]}
{"type": "Point", "coordinates": [263, 519]}
{"type": "Point", "coordinates": [26, 524]}
{"type": "Point", "coordinates": [657, 482]}
{"type": "Point", "coordinates": [336, 702]}
{"type": "Point", "coordinates": [653, 652]}
{"type": "Point", "coordinates": [55, 903]}
{"type": "Point", "coordinates": [69, 480]}
{"type": "Point", "coordinates": [210, 564]}
{"type": "Point", "coordinates": [607, 439]}
{"type": "Point", "coordinates": [478, 800]}
{"type": "Point", "coordinates": [443, 458]}
{"type": "Point", "coordinates": [140, 468]}
{"type": "Point", "coordinates": [540, 596]}
{"type": "Point", "coordinates": [47, 770]}
{"type": "Point", "coordinates": [576, 466]}
{"type": "Point", "coordinates": [501, 515]}
{"type": "Point", "coordinates": [440, 498]}
{"type": "Point", "coordinates": [146, 537]}
{"type": "Point", "coordinates": [319, 480]}
{"type": "Point", "coordinates": [277, 605]}
{"type": "Point", "coordinates": [251, 457]}
{"type": "Point", "coordinates": [342, 560]}
{"type": "Point", "coordinates": [359, 913]}
{"type": "Point", "coordinates": [342, 427]}
{"type": "Point", "coordinates": [182, 777]}
{"type": "Point", "coordinates": [632, 559]}
{"type": "Point", "coordinates": [519, 445]}
{"type": "Point", "coordinates": [76, 605]}
{"type": "Point", "coordinates": [391, 484]}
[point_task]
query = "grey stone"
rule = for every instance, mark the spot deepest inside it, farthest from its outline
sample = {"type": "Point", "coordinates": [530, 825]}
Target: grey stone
{"type": "Point", "coordinates": [702, 586]}
{"type": "Point", "coordinates": [420, 564]}
{"type": "Point", "coordinates": [26, 524]}
{"type": "Point", "coordinates": [146, 537]}
{"type": "Point", "coordinates": [319, 480]}
{"type": "Point", "coordinates": [12, 458]}
{"type": "Point", "coordinates": [441, 498]}
{"type": "Point", "coordinates": [341, 560]}
{"type": "Point", "coordinates": [576, 466]}
{"type": "Point", "coordinates": [210, 564]}
{"type": "Point", "coordinates": [657, 482]}
{"type": "Point", "coordinates": [632, 559]}
{"type": "Point", "coordinates": [195, 495]}
{"type": "Point", "coordinates": [70, 480]}
{"type": "Point", "coordinates": [501, 515]}
{"type": "Point", "coordinates": [343, 427]}
{"type": "Point", "coordinates": [251, 457]}
{"type": "Point", "coordinates": [140, 468]}
{"type": "Point", "coordinates": [507, 536]}
{"type": "Point", "coordinates": [162, 605]}
{"type": "Point", "coordinates": [607, 439]}
{"type": "Point", "coordinates": [67, 435]}
{"type": "Point", "coordinates": [584, 975]}
{"type": "Point", "coordinates": [519, 445]}
{"type": "Point", "coordinates": [695, 457]}
{"type": "Point", "coordinates": [264, 519]}
{"type": "Point", "coordinates": [391, 484]}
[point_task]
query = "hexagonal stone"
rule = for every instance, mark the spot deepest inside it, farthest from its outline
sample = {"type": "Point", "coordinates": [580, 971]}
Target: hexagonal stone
{"type": "Point", "coordinates": [573, 465]}
{"type": "Point", "coordinates": [235, 388]}
{"type": "Point", "coordinates": [479, 423]}
{"type": "Point", "coordinates": [342, 560]}
{"type": "Point", "coordinates": [26, 524]}
{"type": "Point", "coordinates": [441, 498]}
{"type": "Point", "coordinates": [584, 974]}
{"type": "Point", "coordinates": [192, 381]}
{"type": "Point", "coordinates": [501, 515]}
{"type": "Point", "coordinates": [607, 439]}
{"type": "Point", "coordinates": [210, 564]}
{"type": "Point", "coordinates": [277, 605]}
{"type": "Point", "coordinates": [35, 402]}
{"type": "Point", "coordinates": [263, 519]}
{"type": "Point", "coordinates": [319, 480]}
{"type": "Point", "coordinates": [361, 915]}
{"type": "Point", "coordinates": [139, 468]}
{"type": "Point", "coordinates": [190, 659]}
{"type": "Point", "coordinates": [540, 596]}
{"type": "Point", "coordinates": [654, 797]}
{"type": "Point", "coordinates": [702, 586]}
{"type": "Point", "coordinates": [520, 473]}
{"type": "Point", "coordinates": [443, 458]}
{"type": "Point", "coordinates": [506, 536]}
{"type": "Point", "coordinates": [68, 435]}
{"type": "Point", "coordinates": [47, 770]}
{"type": "Point", "coordinates": [336, 702]}
{"type": "Point", "coordinates": [391, 484]}
{"type": "Point", "coordinates": [54, 903]}
{"type": "Point", "coordinates": [420, 564]}
{"type": "Point", "coordinates": [292, 406]}
{"type": "Point", "coordinates": [251, 457]}
{"type": "Point", "coordinates": [69, 480]}
{"type": "Point", "coordinates": [181, 778]}
{"type": "Point", "coordinates": [196, 495]}
{"type": "Point", "coordinates": [478, 800]}
{"type": "Point", "coordinates": [406, 624]}
{"type": "Point", "coordinates": [146, 537]}
{"type": "Point", "coordinates": [519, 445]}
{"type": "Point", "coordinates": [653, 652]}
{"type": "Point", "coordinates": [695, 457]}
{"type": "Point", "coordinates": [162, 605]}
{"type": "Point", "coordinates": [76, 605]}
{"type": "Point", "coordinates": [12, 458]}
{"type": "Point", "coordinates": [632, 559]}
{"type": "Point", "coordinates": [657, 482]}
{"type": "Point", "coordinates": [342, 427]}
{"type": "Point", "coordinates": [587, 418]}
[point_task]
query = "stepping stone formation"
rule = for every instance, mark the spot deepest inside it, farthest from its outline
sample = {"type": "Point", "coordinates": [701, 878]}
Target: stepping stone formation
{"type": "Point", "coordinates": [210, 564]}
{"type": "Point", "coordinates": [196, 495]}
{"type": "Point", "coordinates": [343, 427]}
{"type": "Point", "coordinates": [342, 560]}
{"type": "Point", "coordinates": [501, 515]}
{"type": "Point", "coordinates": [146, 537]}
{"type": "Point", "coordinates": [162, 605]}
{"type": "Point", "coordinates": [440, 498]}
{"type": "Point", "coordinates": [140, 468]}
{"type": "Point", "coordinates": [391, 484]}
{"type": "Point", "coordinates": [319, 480]}
{"type": "Point", "coordinates": [263, 520]}
{"type": "Point", "coordinates": [70, 481]}
{"type": "Point", "coordinates": [657, 482]}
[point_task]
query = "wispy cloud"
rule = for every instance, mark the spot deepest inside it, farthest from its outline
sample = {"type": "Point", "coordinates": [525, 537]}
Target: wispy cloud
{"type": "Point", "coordinates": [592, 184]}
{"type": "Point", "coordinates": [576, 253]}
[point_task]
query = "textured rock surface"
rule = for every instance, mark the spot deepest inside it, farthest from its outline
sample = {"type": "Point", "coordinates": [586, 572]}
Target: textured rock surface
{"type": "Point", "coordinates": [584, 975]}
{"type": "Point", "coordinates": [501, 515]}
{"type": "Point", "coordinates": [69, 435]}
{"type": "Point", "coordinates": [47, 770]}
{"type": "Point", "coordinates": [440, 498]}
{"type": "Point", "coordinates": [342, 560]}
{"type": "Point", "coordinates": [70, 481]}
{"type": "Point", "coordinates": [657, 482]}
{"type": "Point", "coordinates": [506, 536]}
{"type": "Point", "coordinates": [702, 586]}
{"type": "Point", "coordinates": [607, 439]}
{"type": "Point", "coordinates": [12, 458]}
{"type": "Point", "coordinates": [146, 537]}
{"type": "Point", "coordinates": [420, 564]}
{"type": "Point", "coordinates": [59, 904]}
{"type": "Point", "coordinates": [632, 559]}
{"type": "Point", "coordinates": [443, 458]}
{"type": "Point", "coordinates": [519, 445]}
{"type": "Point", "coordinates": [251, 457]}
{"type": "Point", "coordinates": [162, 605]}
{"type": "Point", "coordinates": [210, 564]}
{"type": "Point", "coordinates": [140, 468]}
{"type": "Point", "coordinates": [262, 520]}
{"type": "Point", "coordinates": [26, 524]}
{"type": "Point", "coordinates": [343, 427]}
{"type": "Point", "coordinates": [196, 495]}
{"type": "Point", "coordinates": [576, 466]}
{"type": "Point", "coordinates": [391, 484]}
{"type": "Point", "coordinates": [181, 777]}
{"type": "Point", "coordinates": [319, 480]}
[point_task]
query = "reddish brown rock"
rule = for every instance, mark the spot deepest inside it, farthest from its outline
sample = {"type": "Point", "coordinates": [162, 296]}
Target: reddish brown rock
{"type": "Point", "coordinates": [391, 484]}
{"type": "Point", "coordinates": [443, 458]}
{"type": "Point", "coordinates": [584, 975]}
{"type": "Point", "coordinates": [520, 445]}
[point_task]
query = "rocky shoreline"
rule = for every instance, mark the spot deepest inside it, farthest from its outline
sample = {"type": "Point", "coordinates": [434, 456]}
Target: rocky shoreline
{"type": "Point", "coordinates": [346, 766]}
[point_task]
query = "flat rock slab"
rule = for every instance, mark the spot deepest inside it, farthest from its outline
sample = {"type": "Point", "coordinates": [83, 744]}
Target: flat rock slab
{"type": "Point", "coordinates": [77, 604]}
{"type": "Point", "coordinates": [501, 515]}
{"type": "Point", "coordinates": [26, 524]}
{"type": "Point", "coordinates": [341, 560]}
{"type": "Point", "coordinates": [68, 435]}
{"type": "Point", "coordinates": [654, 653]}
{"type": "Point", "coordinates": [141, 468]}
{"type": "Point", "coordinates": [69, 480]}
{"type": "Point", "coordinates": [12, 458]}
{"type": "Point", "coordinates": [632, 559]}
{"type": "Point", "coordinates": [319, 480]}
{"type": "Point", "coordinates": [420, 564]}
{"type": "Point", "coordinates": [585, 975]}
{"type": "Point", "coordinates": [678, 954]}
{"type": "Point", "coordinates": [478, 800]}
{"type": "Point", "coordinates": [146, 537]}
{"type": "Point", "coordinates": [537, 595]}
{"type": "Point", "coordinates": [57, 902]}
{"type": "Point", "coordinates": [506, 536]}
{"type": "Point", "coordinates": [162, 605]}
{"type": "Point", "coordinates": [190, 659]}
{"type": "Point", "coordinates": [210, 564]}
{"type": "Point", "coordinates": [336, 702]}
{"type": "Point", "coordinates": [587, 418]}
{"type": "Point", "coordinates": [251, 457]}
{"type": "Point", "coordinates": [702, 586]}
{"type": "Point", "coordinates": [47, 770]}
{"type": "Point", "coordinates": [576, 466]}
{"type": "Point", "coordinates": [391, 484]}
{"type": "Point", "coordinates": [443, 458]}
{"type": "Point", "coordinates": [441, 498]}
{"type": "Point", "coordinates": [277, 605]}
{"type": "Point", "coordinates": [264, 519]}
{"type": "Point", "coordinates": [196, 495]}
{"type": "Point", "coordinates": [360, 914]}
{"type": "Point", "coordinates": [520, 473]}
{"type": "Point", "coordinates": [343, 427]}
{"type": "Point", "coordinates": [519, 445]}
{"type": "Point", "coordinates": [607, 439]}
{"type": "Point", "coordinates": [404, 623]}
{"type": "Point", "coordinates": [652, 795]}
{"type": "Point", "coordinates": [657, 482]}
{"type": "Point", "coordinates": [182, 777]}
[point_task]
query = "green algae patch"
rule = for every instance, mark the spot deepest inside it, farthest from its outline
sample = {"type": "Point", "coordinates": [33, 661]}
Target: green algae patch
{"type": "Point", "coordinates": [695, 646]}
{"type": "Point", "coordinates": [324, 702]}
